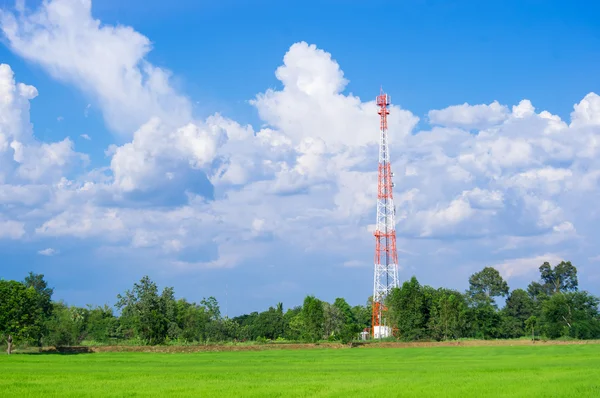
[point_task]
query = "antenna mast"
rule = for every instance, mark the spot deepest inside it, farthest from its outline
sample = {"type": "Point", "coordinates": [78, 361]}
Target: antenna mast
{"type": "Point", "coordinates": [386, 255]}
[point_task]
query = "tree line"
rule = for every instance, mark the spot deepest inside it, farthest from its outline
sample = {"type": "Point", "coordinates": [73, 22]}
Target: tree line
{"type": "Point", "coordinates": [551, 308]}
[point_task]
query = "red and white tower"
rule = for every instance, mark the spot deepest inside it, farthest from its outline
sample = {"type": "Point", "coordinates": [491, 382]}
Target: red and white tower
{"type": "Point", "coordinates": [386, 256]}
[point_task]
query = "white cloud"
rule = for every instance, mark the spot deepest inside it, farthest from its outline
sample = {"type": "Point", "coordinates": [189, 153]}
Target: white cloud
{"type": "Point", "coordinates": [85, 137]}
{"type": "Point", "coordinates": [22, 157]}
{"type": "Point", "coordinates": [470, 116]}
{"type": "Point", "coordinates": [157, 154]}
{"type": "Point", "coordinates": [586, 112]}
{"type": "Point", "coordinates": [48, 252]}
{"type": "Point", "coordinates": [306, 179]}
{"type": "Point", "coordinates": [107, 62]}
{"type": "Point", "coordinates": [525, 266]}
{"type": "Point", "coordinates": [311, 103]}
{"type": "Point", "coordinates": [10, 229]}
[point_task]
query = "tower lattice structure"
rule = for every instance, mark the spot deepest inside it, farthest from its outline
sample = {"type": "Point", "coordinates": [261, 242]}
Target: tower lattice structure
{"type": "Point", "coordinates": [386, 255]}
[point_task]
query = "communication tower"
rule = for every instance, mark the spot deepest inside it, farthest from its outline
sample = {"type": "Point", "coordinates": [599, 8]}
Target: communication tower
{"type": "Point", "coordinates": [386, 256]}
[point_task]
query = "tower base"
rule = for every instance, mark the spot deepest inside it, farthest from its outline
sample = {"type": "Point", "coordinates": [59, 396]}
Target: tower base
{"type": "Point", "coordinates": [381, 332]}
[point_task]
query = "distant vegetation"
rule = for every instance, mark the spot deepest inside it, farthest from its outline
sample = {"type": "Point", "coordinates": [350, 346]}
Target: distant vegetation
{"type": "Point", "coordinates": [550, 308]}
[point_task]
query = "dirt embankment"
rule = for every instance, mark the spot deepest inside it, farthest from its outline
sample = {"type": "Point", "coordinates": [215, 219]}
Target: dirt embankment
{"type": "Point", "coordinates": [279, 346]}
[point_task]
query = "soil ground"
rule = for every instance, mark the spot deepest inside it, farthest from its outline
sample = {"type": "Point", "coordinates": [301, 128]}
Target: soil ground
{"type": "Point", "coordinates": [297, 346]}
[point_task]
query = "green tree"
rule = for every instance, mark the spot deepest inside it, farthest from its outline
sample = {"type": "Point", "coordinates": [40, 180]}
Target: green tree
{"type": "Point", "coordinates": [572, 314]}
{"type": "Point", "coordinates": [145, 311]}
{"type": "Point", "coordinates": [350, 327]}
{"type": "Point", "coordinates": [562, 278]}
{"type": "Point", "coordinates": [519, 307]}
{"type": "Point", "coordinates": [531, 324]}
{"type": "Point", "coordinates": [212, 308]}
{"type": "Point", "coordinates": [313, 319]}
{"type": "Point", "coordinates": [192, 320]}
{"type": "Point", "coordinates": [168, 308]}
{"type": "Point", "coordinates": [448, 311]}
{"type": "Point", "coordinates": [67, 326]}
{"type": "Point", "coordinates": [293, 324]}
{"type": "Point", "coordinates": [483, 318]}
{"type": "Point", "coordinates": [37, 282]}
{"type": "Point", "coordinates": [333, 322]}
{"type": "Point", "coordinates": [268, 324]}
{"type": "Point", "coordinates": [101, 324]}
{"type": "Point", "coordinates": [407, 309]}
{"type": "Point", "coordinates": [44, 301]}
{"type": "Point", "coordinates": [487, 284]}
{"type": "Point", "coordinates": [345, 309]}
{"type": "Point", "coordinates": [20, 315]}
{"type": "Point", "coordinates": [362, 314]}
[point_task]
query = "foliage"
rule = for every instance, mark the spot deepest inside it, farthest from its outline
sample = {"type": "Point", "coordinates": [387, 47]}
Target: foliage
{"type": "Point", "coordinates": [519, 307]}
{"type": "Point", "coordinates": [448, 312]}
{"type": "Point", "coordinates": [20, 313]}
{"type": "Point", "coordinates": [313, 319]}
{"type": "Point", "coordinates": [147, 312]}
{"type": "Point", "coordinates": [573, 314]}
{"type": "Point", "coordinates": [552, 307]}
{"type": "Point", "coordinates": [407, 310]}
{"type": "Point", "coordinates": [560, 279]}
{"type": "Point", "coordinates": [485, 285]}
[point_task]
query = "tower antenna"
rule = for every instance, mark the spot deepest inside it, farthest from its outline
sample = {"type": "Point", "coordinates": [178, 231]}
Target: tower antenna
{"type": "Point", "coordinates": [386, 255]}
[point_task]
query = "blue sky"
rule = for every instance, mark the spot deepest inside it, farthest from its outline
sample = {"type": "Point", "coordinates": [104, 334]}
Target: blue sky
{"type": "Point", "coordinates": [274, 198]}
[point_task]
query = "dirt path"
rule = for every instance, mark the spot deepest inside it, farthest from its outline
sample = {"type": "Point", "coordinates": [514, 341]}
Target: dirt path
{"type": "Point", "coordinates": [291, 346]}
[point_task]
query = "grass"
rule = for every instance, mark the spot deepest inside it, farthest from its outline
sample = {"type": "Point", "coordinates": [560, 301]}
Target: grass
{"type": "Point", "coordinates": [493, 371]}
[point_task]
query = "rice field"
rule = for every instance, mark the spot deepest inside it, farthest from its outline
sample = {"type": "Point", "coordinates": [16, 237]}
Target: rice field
{"type": "Point", "coordinates": [487, 371]}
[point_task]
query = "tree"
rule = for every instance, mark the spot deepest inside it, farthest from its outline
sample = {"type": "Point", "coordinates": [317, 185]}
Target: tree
{"type": "Point", "coordinates": [530, 324]}
{"type": "Point", "coordinates": [313, 319]}
{"type": "Point", "coordinates": [101, 324]}
{"type": "Point", "coordinates": [44, 301]}
{"type": "Point", "coordinates": [333, 322]}
{"type": "Point", "coordinates": [519, 307]}
{"type": "Point", "coordinates": [268, 324]}
{"type": "Point", "coordinates": [67, 326]}
{"type": "Point", "coordinates": [482, 317]}
{"type": "Point", "coordinates": [483, 321]}
{"type": "Point", "coordinates": [345, 309]}
{"type": "Point", "coordinates": [563, 278]}
{"type": "Point", "coordinates": [362, 314]}
{"type": "Point", "coordinates": [146, 311]}
{"type": "Point", "coordinates": [37, 282]}
{"type": "Point", "coordinates": [20, 315]}
{"type": "Point", "coordinates": [294, 323]}
{"type": "Point", "coordinates": [192, 319]}
{"type": "Point", "coordinates": [487, 284]}
{"type": "Point", "coordinates": [9, 343]}
{"type": "Point", "coordinates": [350, 325]}
{"type": "Point", "coordinates": [447, 314]}
{"type": "Point", "coordinates": [572, 314]}
{"type": "Point", "coordinates": [406, 309]}
{"type": "Point", "coordinates": [212, 308]}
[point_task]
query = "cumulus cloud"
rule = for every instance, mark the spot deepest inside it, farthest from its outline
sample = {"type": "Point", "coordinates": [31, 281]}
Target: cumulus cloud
{"type": "Point", "coordinates": [311, 103]}
{"type": "Point", "coordinates": [22, 157]}
{"type": "Point", "coordinates": [527, 266]}
{"type": "Point", "coordinates": [10, 229]}
{"type": "Point", "coordinates": [586, 112]}
{"type": "Point", "coordinates": [108, 62]}
{"type": "Point", "coordinates": [157, 153]}
{"type": "Point", "coordinates": [470, 116]}
{"type": "Point", "coordinates": [181, 187]}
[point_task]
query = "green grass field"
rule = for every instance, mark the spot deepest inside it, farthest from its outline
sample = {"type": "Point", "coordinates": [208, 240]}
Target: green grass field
{"type": "Point", "coordinates": [519, 371]}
